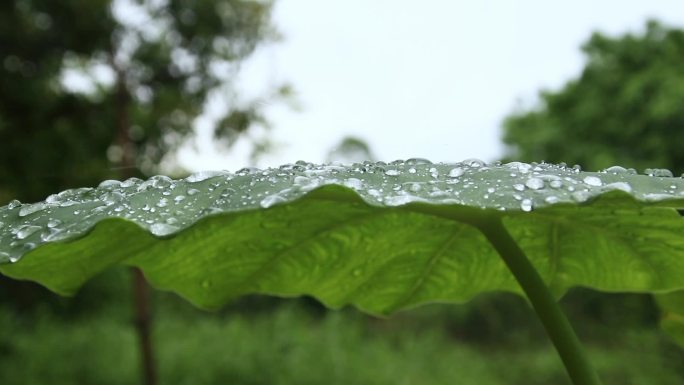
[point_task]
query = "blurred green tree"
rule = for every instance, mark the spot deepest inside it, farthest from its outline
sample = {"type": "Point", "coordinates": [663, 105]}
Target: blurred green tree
{"type": "Point", "coordinates": [350, 149]}
{"type": "Point", "coordinates": [99, 89]}
{"type": "Point", "coordinates": [626, 107]}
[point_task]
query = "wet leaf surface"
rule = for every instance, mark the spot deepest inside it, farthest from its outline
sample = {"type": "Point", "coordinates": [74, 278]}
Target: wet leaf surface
{"type": "Point", "coordinates": [381, 237]}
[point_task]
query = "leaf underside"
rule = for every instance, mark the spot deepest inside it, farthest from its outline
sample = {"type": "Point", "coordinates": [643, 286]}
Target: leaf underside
{"type": "Point", "coordinates": [379, 237]}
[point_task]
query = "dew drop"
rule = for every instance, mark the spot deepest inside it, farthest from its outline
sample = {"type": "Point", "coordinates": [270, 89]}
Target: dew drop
{"type": "Point", "coordinates": [251, 170]}
{"type": "Point", "coordinates": [111, 198]}
{"type": "Point", "coordinates": [14, 203]}
{"type": "Point", "coordinates": [161, 229]}
{"type": "Point", "coordinates": [52, 235]}
{"type": "Point", "coordinates": [623, 186]}
{"type": "Point", "coordinates": [109, 183]}
{"type": "Point", "coordinates": [616, 170]}
{"type": "Point", "coordinates": [551, 199]}
{"type": "Point", "coordinates": [26, 231]}
{"type": "Point", "coordinates": [456, 172]}
{"type": "Point", "coordinates": [31, 208]}
{"type": "Point", "coordinates": [192, 191]}
{"type": "Point", "coordinates": [130, 182]}
{"type": "Point", "coordinates": [52, 223]}
{"type": "Point", "coordinates": [534, 183]}
{"type": "Point", "coordinates": [392, 172]}
{"type": "Point", "coordinates": [272, 200]}
{"type": "Point", "coordinates": [417, 161]}
{"type": "Point", "coordinates": [518, 187]}
{"type": "Point", "coordinates": [474, 162]}
{"type": "Point", "coordinates": [580, 196]}
{"type": "Point", "coordinates": [354, 183]}
{"type": "Point", "coordinates": [203, 175]}
{"type": "Point", "coordinates": [520, 167]}
{"type": "Point", "coordinates": [659, 172]}
{"type": "Point", "coordinates": [526, 205]}
{"type": "Point", "coordinates": [157, 181]}
{"type": "Point", "coordinates": [593, 181]}
{"type": "Point", "coordinates": [556, 183]}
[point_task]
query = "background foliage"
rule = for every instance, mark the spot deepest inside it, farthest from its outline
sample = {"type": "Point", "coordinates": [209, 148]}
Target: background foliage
{"type": "Point", "coordinates": [87, 89]}
{"type": "Point", "coordinates": [625, 108]}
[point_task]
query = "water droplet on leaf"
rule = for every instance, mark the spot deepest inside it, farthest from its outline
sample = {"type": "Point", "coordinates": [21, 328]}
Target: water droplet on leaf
{"type": "Point", "coordinates": [109, 183]}
{"type": "Point", "coordinates": [456, 172]}
{"type": "Point", "coordinates": [526, 205]}
{"type": "Point", "coordinates": [417, 161]}
{"type": "Point", "coordinates": [161, 229]}
{"type": "Point", "coordinates": [593, 181]}
{"type": "Point", "coordinates": [474, 163]}
{"type": "Point", "coordinates": [31, 208]}
{"type": "Point", "coordinates": [534, 183]}
{"type": "Point", "coordinates": [659, 172]}
{"type": "Point", "coordinates": [26, 230]}
{"type": "Point", "coordinates": [272, 200]}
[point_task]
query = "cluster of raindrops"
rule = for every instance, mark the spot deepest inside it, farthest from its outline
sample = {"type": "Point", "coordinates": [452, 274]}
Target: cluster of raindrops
{"type": "Point", "coordinates": [165, 206]}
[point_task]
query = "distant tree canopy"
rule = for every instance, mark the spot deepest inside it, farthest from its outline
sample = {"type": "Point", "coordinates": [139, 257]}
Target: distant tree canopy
{"type": "Point", "coordinates": [88, 88]}
{"type": "Point", "coordinates": [626, 108]}
{"type": "Point", "coordinates": [350, 150]}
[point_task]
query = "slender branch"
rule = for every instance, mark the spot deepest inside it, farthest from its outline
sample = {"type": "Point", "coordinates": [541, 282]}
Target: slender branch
{"type": "Point", "coordinates": [142, 321]}
{"type": "Point", "coordinates": [556, 324]}
{"type": "Point", "coordinates": [140, 288]}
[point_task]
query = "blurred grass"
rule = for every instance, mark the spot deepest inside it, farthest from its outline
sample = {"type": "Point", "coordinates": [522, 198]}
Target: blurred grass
{"type": "Point", "coordinates": [493, 341]}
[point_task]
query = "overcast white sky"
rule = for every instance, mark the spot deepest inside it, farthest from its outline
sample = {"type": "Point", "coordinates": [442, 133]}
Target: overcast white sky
{"type": "Point", "coordinates": [429, 79]}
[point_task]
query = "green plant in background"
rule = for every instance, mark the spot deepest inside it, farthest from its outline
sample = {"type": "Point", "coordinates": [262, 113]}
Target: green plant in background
{"type": "Point", "coordinates": [381, 237]}
{"type": "Point", "coordinates": [144, 71]}
{"type": "Point", "coordinates": [624, 107]}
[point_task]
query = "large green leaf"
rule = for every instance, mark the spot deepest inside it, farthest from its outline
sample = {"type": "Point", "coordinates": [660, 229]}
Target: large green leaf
{"type": "Point", "coordinates": [381, 237]}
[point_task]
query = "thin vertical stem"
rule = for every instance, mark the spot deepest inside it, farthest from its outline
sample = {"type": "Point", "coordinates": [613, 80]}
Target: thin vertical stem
{"type": "Point", "coordinates": [556, 324]}
{"type": "Point", "coordinates": [140, 288]}
{"type": "Point", "coordinates": [142, 321]}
